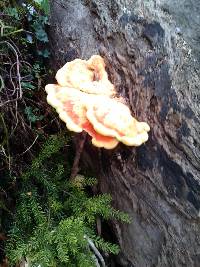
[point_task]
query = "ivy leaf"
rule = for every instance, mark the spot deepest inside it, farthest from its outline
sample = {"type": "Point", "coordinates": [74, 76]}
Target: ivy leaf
{"type": "Point", "coordinates": [41, 35]}
{"type": "Point", "coordinates": [13, 12]}
{"type": "Point", "coordinates": [27, 85]}
{"type": "Point", "coordinates": [44, 53]}
{"type": "Point", "coordinates": [32, 117]}
{"type": "Point", "coordinates": [39, 28]}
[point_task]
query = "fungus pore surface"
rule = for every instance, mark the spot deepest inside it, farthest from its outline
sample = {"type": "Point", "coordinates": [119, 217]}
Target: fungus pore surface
{"type": "Point", "coordinates": [86, 101]}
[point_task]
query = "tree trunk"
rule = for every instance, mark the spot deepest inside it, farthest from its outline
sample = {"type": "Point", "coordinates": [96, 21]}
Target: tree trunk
{"type": "Point", "coordinates": [152, 52]}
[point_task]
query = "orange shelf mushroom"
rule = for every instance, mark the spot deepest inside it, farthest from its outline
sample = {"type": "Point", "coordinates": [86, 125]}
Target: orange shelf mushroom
{"type": "Point", "coordinates": [72, 105]}
{"type": "Point", "coordinates": [86, 101]}
{"type": "Point", "coordinates": [87, 76]}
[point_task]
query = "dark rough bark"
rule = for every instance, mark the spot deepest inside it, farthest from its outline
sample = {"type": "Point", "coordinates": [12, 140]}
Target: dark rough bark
{"type": "Point", "coordinates": [152, 53]}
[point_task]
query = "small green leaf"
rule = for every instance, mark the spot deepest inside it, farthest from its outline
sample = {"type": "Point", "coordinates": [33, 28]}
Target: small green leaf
{"type": "Point", "coordinates": [41, 35]}
{"type": "Point", "coordinates": [39, 28]}
{"type": "Point", "coordinates": [43, 5]}
{"type": "Point", "coordinates": [44, 53]}
{"type": "Point", "coordinates": [28, 86]}
{"type": "Point", "coordinates": [13, 12]}
{"type": "Point", "coordinates": [32, 117]}
{"type": "Point", "coordinates": [38, 2]}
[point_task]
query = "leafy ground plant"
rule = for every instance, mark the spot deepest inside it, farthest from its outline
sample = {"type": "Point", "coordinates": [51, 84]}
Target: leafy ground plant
{"type": "Point", "coordinates": [23, 57]}
{"type": "Point", "coordinates": [54, 223]}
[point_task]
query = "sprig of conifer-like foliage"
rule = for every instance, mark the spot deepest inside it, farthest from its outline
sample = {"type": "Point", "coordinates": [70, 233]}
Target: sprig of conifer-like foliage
{"type": "Point", "coordinates": [54, 216]}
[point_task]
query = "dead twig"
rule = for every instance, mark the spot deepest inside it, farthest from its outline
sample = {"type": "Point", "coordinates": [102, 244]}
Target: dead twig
{"type": "Point", "coordinates": [17, 63]}
{"type": "Point", "coordinates": [29, 146]}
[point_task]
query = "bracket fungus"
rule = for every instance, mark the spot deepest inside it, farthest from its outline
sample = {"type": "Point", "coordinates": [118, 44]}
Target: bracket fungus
{"type": "Point", "coordinates": [86, 101]}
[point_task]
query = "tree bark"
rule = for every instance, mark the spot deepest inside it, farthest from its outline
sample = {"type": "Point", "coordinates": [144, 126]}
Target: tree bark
{"type": "Point", "coordinates": [152, 52]}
